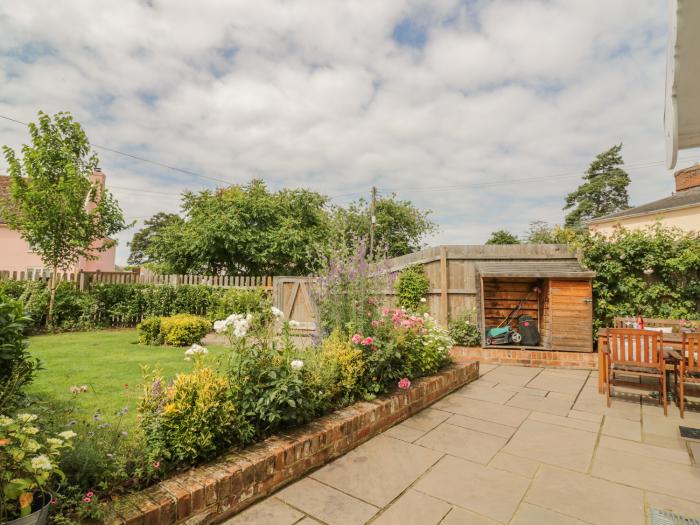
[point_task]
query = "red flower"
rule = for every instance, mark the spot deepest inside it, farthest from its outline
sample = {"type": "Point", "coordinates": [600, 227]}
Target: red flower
{"type": "Point", "coordinates": [367, 341]}
{"type": "Point", "coordinates": [90, 494]}
{"type": "Point", "coordinates": [87, 500]}
{"type": "Point", "coordinates": [405, 383]}
{"type": "Point", "coordinates": [156, 464]}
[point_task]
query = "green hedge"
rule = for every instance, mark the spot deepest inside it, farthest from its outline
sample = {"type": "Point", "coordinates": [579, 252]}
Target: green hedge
{"type": "Point", "coordinates": [107, 305]}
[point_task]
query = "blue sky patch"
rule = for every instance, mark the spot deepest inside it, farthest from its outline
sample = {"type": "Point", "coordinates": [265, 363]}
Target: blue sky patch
{"type": "Point", "coordinates": [410, 32]}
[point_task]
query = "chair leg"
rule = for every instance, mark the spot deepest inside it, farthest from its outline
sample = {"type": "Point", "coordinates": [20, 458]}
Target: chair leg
{"type": "Point", "coordinates": [608, 380]}
{"type": "Point", "coordinates": [681, 397]}
{"type": "Point", "coordinates": [663, 380]}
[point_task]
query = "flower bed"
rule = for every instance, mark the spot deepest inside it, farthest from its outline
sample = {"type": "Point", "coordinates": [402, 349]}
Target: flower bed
{"type": "Point", "coordinates": [220, 489]}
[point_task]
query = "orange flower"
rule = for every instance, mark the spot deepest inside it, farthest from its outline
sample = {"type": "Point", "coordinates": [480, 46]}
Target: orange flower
{"type": "Point", "coordinates": [25, 500]}
{"type": "Point", "coordinates": [4, 442]}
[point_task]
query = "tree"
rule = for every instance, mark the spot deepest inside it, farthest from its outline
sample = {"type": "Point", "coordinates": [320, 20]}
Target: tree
{"type": "Point", "coordinates": [401, 227]}
{"type": "Point", "coordinates": [503, 237]}
{"type": "Point", "coordinates": [53, 203]}
{"type": "Point", "coordinates": [603, 192]}
{"type": "Point", "coordinates": [539, 232]}
{"type": "Point", "coordinates": [245, 230]}
{"type": "Point", "coordinates": [143, 238]}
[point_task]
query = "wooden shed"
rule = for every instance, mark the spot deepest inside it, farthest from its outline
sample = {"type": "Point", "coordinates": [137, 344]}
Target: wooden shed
{"type": "Point", "coordinates": [490, 280]}
{"type": "Point", "coordinates": [557, 295]}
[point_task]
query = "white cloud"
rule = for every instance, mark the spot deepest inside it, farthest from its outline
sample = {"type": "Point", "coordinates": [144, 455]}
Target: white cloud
{"type": "Point", "coordinates": [319, 94]}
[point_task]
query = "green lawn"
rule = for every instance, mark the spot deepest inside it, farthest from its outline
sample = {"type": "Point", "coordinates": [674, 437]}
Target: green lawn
{"type": "Point", "coordinates": [108, 362]}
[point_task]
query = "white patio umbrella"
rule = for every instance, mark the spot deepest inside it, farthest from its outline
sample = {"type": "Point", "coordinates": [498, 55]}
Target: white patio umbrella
{"type": "Point", "coordinates": [682, 110]}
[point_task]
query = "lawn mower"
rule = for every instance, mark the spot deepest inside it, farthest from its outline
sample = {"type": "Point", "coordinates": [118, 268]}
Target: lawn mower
{"type": "Point", "coordinates": [503, 334]}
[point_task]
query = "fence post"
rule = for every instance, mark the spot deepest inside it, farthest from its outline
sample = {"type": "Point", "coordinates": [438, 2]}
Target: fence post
{"type": "Point", "coordinates": [444, 307]}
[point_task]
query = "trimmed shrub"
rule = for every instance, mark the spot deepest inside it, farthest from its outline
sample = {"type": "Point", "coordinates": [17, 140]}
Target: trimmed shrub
{"type": "Point", "coordinates": [183, 329]}
{"type": "Point", "coordinates": [189, 420]}
{"type": "Point", "coordinates": [149, 331]}
{"type": "Point", "coordinates": [349, 364]}
{"type": "Point", "coordinates": [17, 367]}
{"type": "Point", "coordinates": [412, 286]}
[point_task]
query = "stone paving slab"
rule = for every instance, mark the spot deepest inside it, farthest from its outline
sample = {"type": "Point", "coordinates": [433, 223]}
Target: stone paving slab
{"type": "Point", "coordinates": [561, 457]}
{"type": "Point", "coordinates": [326, 503]}
{"type": "Point", "coordinates": [414, 508]}
{"type": "Point", "coordinates": [490, 492]}
{"type": "Point", "coordinates": [553, 444]}
{"type": "Point", "coordinates": [587, 498]}
{"type": "Point", "coordinates": [379, 470]}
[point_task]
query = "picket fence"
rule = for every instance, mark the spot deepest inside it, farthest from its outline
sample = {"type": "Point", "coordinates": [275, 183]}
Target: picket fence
{"type": "Point", "coordinates": [85, 280]}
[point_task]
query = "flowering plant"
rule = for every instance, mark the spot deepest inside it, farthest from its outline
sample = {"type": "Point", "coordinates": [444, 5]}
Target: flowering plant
{"type": "Point", "coordinates": [28, 463]}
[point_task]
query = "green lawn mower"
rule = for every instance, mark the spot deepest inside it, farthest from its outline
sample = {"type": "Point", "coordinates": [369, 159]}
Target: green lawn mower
{"type": "Point", "coordinates": [503, 334]}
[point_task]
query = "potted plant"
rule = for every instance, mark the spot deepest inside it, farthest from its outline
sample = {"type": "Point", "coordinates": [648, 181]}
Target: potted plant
{"type": "Point", "coordinates": [28, 466]}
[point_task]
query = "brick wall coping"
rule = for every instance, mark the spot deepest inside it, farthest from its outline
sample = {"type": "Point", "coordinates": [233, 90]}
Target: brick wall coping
{"type": "Point", "coordinates": [526, 357]}
{"type": "Point", "coordinates": [220, 489]}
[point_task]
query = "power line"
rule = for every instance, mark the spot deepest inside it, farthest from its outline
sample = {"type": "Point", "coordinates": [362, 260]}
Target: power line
{"type": "Point", "coordinates": [136, 157]}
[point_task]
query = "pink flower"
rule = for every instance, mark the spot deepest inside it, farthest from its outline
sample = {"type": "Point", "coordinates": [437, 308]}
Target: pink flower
{"type": "Point", "coordinates": [375, 323]}
{"type": "Point", "coordinates": [367, 341]}
{"type": "Point", "coordinates": [406, 323]}
{"type": "Point", "coordinates": [405, 383]}
{"type": "Point", "coordinates": [87, 500]}
{"type": "Point", "coordinates": [356, 338]}
{"type": "Point", "coordinates": [53, 501]}
{"type": "Point", "coordinates": [90, 494]}
{"type": "Point", "coordinates": [156, 464]}
{"type": "Point", "coordinates": [385, 310]}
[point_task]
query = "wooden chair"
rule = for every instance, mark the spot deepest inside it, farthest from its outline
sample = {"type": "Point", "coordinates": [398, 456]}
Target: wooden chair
{"type": "Point", "coordinates": [637, 353]}
{"type": "Point", "coordinates": [690, 366]}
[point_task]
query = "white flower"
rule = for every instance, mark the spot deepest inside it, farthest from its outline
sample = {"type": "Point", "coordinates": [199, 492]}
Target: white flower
{"type": "Point", "coordinates": [277, 312]}
{"type": "Point", "coordinates": [31, 446]}
{"type": "Point", "coordinates": [196, 350]}
{"type": "Point", "coordinates": [5, 421]}
{"type": "Point", "coordinates": [55, 442]}
{"type": "Point", "coordinates": [41, 462]}
{"type": "Point", "coordinates": [423, 300]}
{"type": "Point", "coordinates": [220, 326]}
{"type": "Point", "coordinates": [26, 418]}
{"type": "Point", "coordinates": [297, 364]}
{"type": "Point", "coordinates": [294, 324]}
{"type": "Point", "coordinates": [648, 271]}
{"type": "Point", "coordinates": [67, 434]}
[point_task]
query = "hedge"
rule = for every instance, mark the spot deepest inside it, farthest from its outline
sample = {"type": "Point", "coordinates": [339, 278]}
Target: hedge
{"type": "Point", "coordinates": [106, 305]}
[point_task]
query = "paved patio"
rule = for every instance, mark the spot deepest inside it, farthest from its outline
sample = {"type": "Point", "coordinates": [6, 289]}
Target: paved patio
{"type": "Point", "coordinates": [525, 446]}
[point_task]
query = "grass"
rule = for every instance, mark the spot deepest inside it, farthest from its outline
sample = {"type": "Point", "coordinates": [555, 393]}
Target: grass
{"type": "Point", "coordinates": [108, 362]}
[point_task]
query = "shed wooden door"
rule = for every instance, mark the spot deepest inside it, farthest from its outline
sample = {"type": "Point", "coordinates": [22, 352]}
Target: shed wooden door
{"type": "Point", "coordinates": [571, 310]}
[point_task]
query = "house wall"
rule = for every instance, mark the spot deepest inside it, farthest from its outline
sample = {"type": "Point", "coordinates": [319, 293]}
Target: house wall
{"type": "Point", "coordinates": [17, 256]}
{"type": "Point", "coordinates": [687, 219]}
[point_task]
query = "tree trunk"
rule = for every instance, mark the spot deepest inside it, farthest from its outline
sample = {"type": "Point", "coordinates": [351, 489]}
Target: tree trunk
{"type": "Point", "coordinates": [52, 296]}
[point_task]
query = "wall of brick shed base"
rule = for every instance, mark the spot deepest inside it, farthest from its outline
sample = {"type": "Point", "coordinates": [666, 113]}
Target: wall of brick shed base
{"type": "Point", "coordinates": [217, 491]}
{"type": "Point", "coordinates": [524, 357]}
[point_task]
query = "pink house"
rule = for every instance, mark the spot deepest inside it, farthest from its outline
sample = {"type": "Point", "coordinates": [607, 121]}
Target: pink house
{"type": "Point", "coordinates": [17, 256]}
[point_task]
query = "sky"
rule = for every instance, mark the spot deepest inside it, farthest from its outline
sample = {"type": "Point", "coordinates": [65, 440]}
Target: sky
{"type": "Point", "coordinates": [485, 112]}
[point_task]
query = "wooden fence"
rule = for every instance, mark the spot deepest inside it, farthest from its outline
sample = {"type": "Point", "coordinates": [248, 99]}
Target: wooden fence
{"type": "Point", "coordinates": [86, 279]}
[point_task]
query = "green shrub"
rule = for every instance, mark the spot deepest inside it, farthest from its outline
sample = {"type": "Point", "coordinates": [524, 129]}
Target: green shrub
{"type": "Point", "coordinates": [464, 331]}
{"type": "Point", "coordinates": [149, 331]}
{"type": "Point", "coordinates": [189, 420]}
{"type": "Point", "coordinates": [349, 367]}
{"type": "Point", "coordinates": [412, 286]}
{"type": "Point", "coordinates": [183, 329]}
{"type": "Point", "coordinates": [17, 367]}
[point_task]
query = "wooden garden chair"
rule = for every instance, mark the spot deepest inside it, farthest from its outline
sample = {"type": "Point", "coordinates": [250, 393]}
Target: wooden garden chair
{"type": "Point", "coordinates": [637, 353]}
{"type": "Point", "coordinates": [689, 366]}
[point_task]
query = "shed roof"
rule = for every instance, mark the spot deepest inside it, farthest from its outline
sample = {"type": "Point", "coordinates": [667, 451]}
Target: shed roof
{"type": "Point", "coordinates": [562, 269]}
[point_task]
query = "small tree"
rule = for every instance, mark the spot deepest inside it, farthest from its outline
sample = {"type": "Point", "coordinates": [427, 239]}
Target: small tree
{"type": "Point", "coordinates": [54, 205]}
{"type": "Point", "coordinates": [603, 192]}
{"type": "Point", "coordinates": [145, 237]}
{"type": "Point", "coordinates": [503, 237]}
{"type": "Point", "coordinates": [539, 232]}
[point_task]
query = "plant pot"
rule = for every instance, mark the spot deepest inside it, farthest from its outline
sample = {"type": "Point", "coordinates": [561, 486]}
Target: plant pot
{"type": "Point", "coordinates": [38, 517]}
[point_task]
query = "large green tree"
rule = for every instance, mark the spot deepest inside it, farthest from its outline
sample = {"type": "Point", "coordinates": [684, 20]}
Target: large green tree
{"type": "Point", "coordinates": [145, 237]}
{"type": "Point", "coordinates": [53, 203]}
{"type": "Point", "coordinates": [503, 237]}
{"type": "Point", "coordinates": [400, 227]}
{"type": "Point", "coordinates": [603, 191]}
{"type": "Point", "coordinates": [245, 229]}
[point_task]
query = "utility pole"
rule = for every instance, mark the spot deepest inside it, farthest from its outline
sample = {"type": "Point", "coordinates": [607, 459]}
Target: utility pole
{"type": "Point", "coordinates": [372, 222]}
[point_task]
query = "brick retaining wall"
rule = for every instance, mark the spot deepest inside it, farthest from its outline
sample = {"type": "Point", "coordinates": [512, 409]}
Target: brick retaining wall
{"type": "Point", "coordinates": [216, 491]}
{"type": "Point", "coordinates": [518, 356]}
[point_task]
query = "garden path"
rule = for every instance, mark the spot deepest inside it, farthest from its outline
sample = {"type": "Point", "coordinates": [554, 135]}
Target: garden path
{"type": "Point", "coordinates": [524, 446]}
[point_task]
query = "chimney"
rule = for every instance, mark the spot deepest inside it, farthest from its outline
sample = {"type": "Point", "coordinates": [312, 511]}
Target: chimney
{"type": "Point", "coordinates": [688, 178]}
